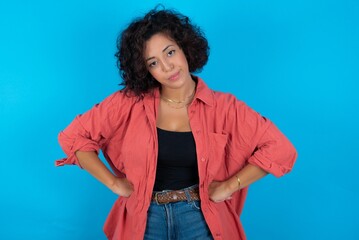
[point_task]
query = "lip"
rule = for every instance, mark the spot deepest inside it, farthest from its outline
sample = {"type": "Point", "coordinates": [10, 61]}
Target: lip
{"type": "Point", "coordinates": [174, 76]}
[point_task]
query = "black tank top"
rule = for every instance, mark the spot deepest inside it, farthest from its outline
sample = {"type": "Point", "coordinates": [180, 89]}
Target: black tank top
{"type": "Point", "coordinates": [177, 161]}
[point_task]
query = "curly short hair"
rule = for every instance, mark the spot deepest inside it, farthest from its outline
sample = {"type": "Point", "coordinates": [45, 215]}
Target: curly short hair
{"type": "Point", "coordinates": [131, 43]}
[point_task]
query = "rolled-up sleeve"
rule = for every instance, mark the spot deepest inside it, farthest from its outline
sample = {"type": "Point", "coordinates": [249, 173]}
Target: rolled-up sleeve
{"type": "Point", "coordinates": [265, 145]}
{"type": "Point", "coordinates": [88, 131]}
{"type": "Point", "coordinates": [274, 153]}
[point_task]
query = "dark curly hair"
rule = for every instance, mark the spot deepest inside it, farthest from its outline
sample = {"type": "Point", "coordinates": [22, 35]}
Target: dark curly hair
{"type": "Point", "coordinates": [131, 43]}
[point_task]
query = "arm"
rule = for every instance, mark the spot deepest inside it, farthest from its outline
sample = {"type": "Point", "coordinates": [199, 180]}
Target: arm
{"type": "Point", "coordinates": [259, 142]}
{"type": "Point", "coordinates": [91, 163]}
{"type": "Point", "coordinates": [220, 191]}
{"type": "Point", "coordinates": [87, 134]}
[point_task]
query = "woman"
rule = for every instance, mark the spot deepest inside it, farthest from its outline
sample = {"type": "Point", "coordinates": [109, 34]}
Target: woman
{"type": "Point", "coordinates": [182, 154]}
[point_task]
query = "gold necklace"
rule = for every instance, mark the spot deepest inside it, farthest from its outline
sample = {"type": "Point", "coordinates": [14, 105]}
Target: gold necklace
{"type": "Point", "coordinates": [177, 106]}
{"type": "Point", "coordinates": [174, 101]}
{"type": "Point", "coordinates": [181, 103]}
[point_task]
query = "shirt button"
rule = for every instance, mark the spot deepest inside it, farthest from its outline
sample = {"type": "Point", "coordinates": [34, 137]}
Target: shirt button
{"type": "Point", "coordinates": [203, 159]}
{"type": "Point", "coordinates": [198, 131]}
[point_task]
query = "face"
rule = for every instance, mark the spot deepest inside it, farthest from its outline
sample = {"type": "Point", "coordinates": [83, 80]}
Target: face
{"type": "Point", "coordinates": [166, 62]}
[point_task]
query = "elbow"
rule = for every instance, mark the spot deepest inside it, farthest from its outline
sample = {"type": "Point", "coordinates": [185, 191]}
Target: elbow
{"type": "Point", "coordinates": [288, 159]}
{"type": "Point", "coordinates": [285, 159]}
{"type": "Point", "coordinates": [66, 142]}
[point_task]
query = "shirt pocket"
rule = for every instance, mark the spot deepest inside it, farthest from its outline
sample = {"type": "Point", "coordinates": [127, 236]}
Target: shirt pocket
{"type": "Point", "coordinates": [217, 167]}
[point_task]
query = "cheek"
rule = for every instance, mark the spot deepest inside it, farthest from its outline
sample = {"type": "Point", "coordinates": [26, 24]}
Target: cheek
{"type": "Point", "coordinates": [155, 74]}
{"type": "Point", "coordinates": [184, 60]}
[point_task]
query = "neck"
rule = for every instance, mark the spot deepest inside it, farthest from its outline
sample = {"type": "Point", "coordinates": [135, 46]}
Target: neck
{"type": "Point", "coordinates": [180, 94]}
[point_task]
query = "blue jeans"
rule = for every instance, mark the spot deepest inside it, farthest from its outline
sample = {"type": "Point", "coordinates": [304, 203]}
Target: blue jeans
{"type": "Point", "coordinates": [179, 220]}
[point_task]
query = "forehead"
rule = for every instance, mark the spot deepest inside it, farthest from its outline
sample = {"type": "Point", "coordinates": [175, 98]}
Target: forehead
{"type": "Point", "coordinates": [157, 43]}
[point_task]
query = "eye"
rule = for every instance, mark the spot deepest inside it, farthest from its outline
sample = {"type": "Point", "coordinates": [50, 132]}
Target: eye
{"type": "Point", "coordinates": [152, 64]}
{"type": "Point", "coordinates": [170, 53]}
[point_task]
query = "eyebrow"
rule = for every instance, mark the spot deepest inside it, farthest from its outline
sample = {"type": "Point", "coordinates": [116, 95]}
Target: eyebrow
{"type": "Point", "coordinates": [162, 51]}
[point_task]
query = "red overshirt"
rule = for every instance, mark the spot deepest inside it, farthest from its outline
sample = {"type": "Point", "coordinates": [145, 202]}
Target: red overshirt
{"type": "Point", "coordinates": [228, 135]}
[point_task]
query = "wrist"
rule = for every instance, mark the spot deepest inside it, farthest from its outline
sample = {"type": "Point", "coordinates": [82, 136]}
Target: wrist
{"type": "Point", "coordinates": [111, 183]}
{"type": "Point", "coordinates": [234, 183]}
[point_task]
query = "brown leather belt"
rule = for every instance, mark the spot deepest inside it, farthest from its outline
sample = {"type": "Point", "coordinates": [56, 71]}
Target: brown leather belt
{"type": "Point", "coordinates": [176, 196]}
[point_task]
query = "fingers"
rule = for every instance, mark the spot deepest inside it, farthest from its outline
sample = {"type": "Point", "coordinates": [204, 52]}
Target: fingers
{"type": "Point", "coordinates": [220, 200]}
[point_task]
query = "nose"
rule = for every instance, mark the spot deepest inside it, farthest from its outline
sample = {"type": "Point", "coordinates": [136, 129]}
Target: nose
{"type": "Point", "coordinates": [167, 66]}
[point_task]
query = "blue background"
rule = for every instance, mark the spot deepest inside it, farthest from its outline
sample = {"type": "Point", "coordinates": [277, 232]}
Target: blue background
{"type": "Point", "coordinates": [295, 62]}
